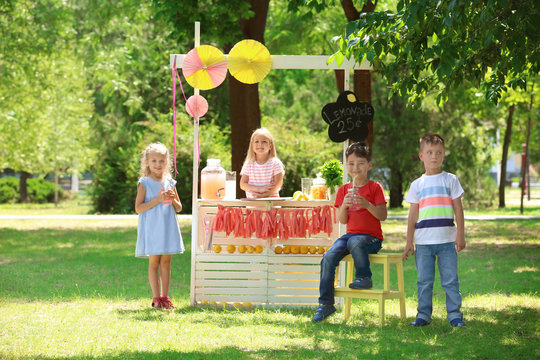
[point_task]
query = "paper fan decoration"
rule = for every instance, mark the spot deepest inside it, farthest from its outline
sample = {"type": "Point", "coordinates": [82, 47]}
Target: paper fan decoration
{"type": "Point", "coordinates": [204, 67]}
{"type": "Point", "coordinates": [196, 106]}
{"type": "Point", "coordinates": [249, 61]}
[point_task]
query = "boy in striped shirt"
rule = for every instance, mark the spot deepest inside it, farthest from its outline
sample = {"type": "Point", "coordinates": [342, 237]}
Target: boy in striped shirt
{"type": "Point", "coordinates": [435, 199]}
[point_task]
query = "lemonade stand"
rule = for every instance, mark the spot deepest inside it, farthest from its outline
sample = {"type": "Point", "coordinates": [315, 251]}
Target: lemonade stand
{"type": "Point", "coordinates": [257, 252]}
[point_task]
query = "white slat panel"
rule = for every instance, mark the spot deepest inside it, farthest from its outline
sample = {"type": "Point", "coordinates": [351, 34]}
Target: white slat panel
{"type": "Point", "coordinates": [282, 275]}
{"type": "Point", "coordinates": [294, 259]}
{"type": "Point", "coordinates": [233, 298]}
{"type": "Point", "coordinates": [229, 291]}
{"type": "Point", "coordinates": [294, 268]}
{"type": "Point", "coordinates": [230, 266]}
{"type": "Point", "coordinates": [293, 300]}
{"type": "Point", "coordinates": [233, 283]}
{"type": "Point", "coordinates": [294, 292]}
{"type": "Point", "coordinates": [201, 275]}
{"type": "Point", "coordinates": [294, 283]}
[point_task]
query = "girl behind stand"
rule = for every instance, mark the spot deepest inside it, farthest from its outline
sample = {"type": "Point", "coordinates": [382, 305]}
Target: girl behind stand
{"type": "Point", "coordinates": [158, 234]}
{"type": "Point", "coordinates": [262, 173]}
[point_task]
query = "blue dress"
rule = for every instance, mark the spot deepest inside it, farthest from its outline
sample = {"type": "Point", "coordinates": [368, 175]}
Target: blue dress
{"type": "Point", "coordinates": [158, 232]}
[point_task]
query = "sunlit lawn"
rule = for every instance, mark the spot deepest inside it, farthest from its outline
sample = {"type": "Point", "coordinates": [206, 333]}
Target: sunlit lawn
{"type": "Point", "coordinates": [74, 290]}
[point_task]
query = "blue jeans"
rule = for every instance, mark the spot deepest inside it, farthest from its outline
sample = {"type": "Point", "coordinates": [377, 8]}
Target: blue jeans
{"type": "Point", "coordinates": [448, 269]}
{"type": "Point", "coordinates": [359, 246]}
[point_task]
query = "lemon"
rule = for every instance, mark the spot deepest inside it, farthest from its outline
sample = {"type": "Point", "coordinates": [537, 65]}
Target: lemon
{"type": "Point", "coordinates": [231, 248]}
{"type": "Point", "coordinates": [258, 249]}
{"type": "Point", "coordinates": [217, 248]}
{"type": "Point", "coordinates": [242, 249]}
{"type": "Point", "coordinates": [297, 194]}
{"type": "Point", "coordinates": [250, 249]}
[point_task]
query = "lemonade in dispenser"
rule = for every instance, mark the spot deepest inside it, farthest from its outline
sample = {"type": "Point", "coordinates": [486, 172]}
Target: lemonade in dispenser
{"type": "Point", "coordinates": [213, 180]}
{"type": "Point", "coordinates": [318, 188]}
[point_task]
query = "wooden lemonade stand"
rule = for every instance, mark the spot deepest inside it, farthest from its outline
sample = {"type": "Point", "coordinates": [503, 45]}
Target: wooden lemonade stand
{"type": "Point", "coordinates": [255, 271]}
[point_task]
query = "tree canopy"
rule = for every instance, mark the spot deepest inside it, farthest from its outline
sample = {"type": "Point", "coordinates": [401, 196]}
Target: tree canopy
{"type": "Point", "coordinates": [436, 45]}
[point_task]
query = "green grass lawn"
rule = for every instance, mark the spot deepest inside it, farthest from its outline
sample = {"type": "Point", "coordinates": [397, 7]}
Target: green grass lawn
{"type": "Point", "coordinates": [74, 290]}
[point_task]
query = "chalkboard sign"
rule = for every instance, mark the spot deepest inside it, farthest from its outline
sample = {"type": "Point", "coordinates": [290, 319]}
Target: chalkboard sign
{"type": "Point", "coordinates": [348, 118]}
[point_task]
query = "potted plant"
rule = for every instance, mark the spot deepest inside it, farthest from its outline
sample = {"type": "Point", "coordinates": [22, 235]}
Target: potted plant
{"type": "Point", "coordinates": [332, 172]}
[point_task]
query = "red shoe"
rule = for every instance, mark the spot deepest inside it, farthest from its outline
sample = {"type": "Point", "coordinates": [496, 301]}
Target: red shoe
{"type": "Point", "coordinates": [166, 303]}
{"type": "Point", "coordinates": [157, 303]}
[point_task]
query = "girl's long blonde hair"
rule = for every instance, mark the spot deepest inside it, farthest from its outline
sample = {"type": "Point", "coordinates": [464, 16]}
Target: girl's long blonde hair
{"type": "Point", "coordinates": [156, 148]}
{"type": "Point", "coordinates": [250, 156]}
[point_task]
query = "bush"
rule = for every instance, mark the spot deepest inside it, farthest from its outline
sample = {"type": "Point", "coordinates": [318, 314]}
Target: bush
{"type": "Point", "coordinates": [42, 191]}
{"type": "Point", "coordinates": [9, 190]}
{"type": "Point", "coordinates": [39, 190]}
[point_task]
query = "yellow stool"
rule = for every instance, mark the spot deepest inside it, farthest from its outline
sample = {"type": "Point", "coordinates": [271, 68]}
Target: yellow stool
{"type": "Point", "coordinates": [381, 295]}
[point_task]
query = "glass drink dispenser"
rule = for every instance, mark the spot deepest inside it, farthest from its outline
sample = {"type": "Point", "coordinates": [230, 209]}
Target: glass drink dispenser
{"type": "Point", "coordinates": [213, 180]}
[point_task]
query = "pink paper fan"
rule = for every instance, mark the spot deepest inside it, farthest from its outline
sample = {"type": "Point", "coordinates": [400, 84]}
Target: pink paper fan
{"type": "Point", "coordinates": [196, 106]}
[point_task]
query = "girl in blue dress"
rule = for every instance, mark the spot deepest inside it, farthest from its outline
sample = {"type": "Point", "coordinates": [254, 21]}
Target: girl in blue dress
{"type": "Point", "coordinates": [158, 234]}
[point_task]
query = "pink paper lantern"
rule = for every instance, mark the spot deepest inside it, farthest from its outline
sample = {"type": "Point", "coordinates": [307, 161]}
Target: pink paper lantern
{"type": "Point", "coordinates": [196, 106]}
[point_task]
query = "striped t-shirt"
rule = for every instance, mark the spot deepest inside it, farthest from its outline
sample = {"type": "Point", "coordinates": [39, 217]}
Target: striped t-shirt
{"type": "Point", "coordinates": [434, 195]}
{"type": "Point", "coordinates": [262, 174]}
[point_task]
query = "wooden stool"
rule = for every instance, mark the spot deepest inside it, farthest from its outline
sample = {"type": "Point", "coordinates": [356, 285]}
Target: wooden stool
{"type": "Point", "coordinates": [381, 295]}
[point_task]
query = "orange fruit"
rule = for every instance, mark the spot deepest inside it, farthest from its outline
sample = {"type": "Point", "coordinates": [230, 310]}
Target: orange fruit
{"type": "Point", "coordinates": [278, 249]}
{"type": "Point", "coordinates": [231, 248]}
{"type": "Point", "coordinates": [321, 250]}
{"type": "Point", "coordinates": [304, 249]}
{"type": "Point", "coordinates": [296, 195]}
{"type": "Point", "coordinates": [312, 249]}
{"type": "Point", "coordinates": [217, 248]}
{"type": "Point", "coordinates": [242, 249]}
{"type": "Point", "coordinates": [258, 249]}
{"type": "Point", "coordinates": [250, 249]}
{"type": "Point", "coordinates": [295, 249]}
{"type": "Point", "coordinates": [287, 250]}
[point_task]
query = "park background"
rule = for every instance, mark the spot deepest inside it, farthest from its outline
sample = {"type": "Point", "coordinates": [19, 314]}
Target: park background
{"type": "Point", "coordinates": [86, 85]}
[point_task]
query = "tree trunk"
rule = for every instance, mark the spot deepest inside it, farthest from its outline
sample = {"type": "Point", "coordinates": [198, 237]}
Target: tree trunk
{"type": "Point", "coordinates": [362, 78]}
{"type": "Point", "coordinates": [23, 188]}
{"type": "Point", "coordinates": [55, 189]}
{"type": "Point", "coordinates": [396, 188]}
{"type": "Point", "coordinates": [396, 176]}
{"type": "Point", "coordinates": [506, 145]}
{"type": "Point", "coordinates": [244, 98]}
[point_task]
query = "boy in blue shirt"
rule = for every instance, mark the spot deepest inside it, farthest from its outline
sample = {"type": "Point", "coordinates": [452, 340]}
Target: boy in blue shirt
{"type": "Point", "coordinates": [435, 198]}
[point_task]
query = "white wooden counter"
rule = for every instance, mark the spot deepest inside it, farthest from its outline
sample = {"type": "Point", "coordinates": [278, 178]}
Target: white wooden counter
{"type": "Point", "coordinates": [264, 278]}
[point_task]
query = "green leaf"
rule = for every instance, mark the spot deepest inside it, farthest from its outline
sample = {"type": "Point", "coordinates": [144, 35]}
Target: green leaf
{"type": "Point", "coordinates": [351, 28]}
{"type": "Point", "coordinates": [339, 58]}
{"type": "Point", "coordinates": [370, 55]}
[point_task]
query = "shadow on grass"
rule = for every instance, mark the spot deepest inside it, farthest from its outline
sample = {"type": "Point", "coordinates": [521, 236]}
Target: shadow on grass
{"type": "Point", "coordinates": [497, 337]}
